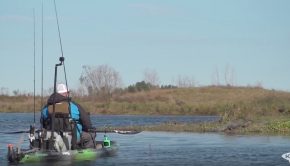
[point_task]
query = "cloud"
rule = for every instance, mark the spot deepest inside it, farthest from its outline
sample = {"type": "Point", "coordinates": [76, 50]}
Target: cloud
{"type": "Point", "coordinates": [16, 18]}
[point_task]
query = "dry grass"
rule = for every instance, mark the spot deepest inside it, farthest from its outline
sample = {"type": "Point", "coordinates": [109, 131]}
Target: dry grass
{"type": "Point", "coordinates": [18, 103]}
{"type": "Point", "coordinates": [228, 102]}
{"type": "Point", "coordinates": [267, 111]}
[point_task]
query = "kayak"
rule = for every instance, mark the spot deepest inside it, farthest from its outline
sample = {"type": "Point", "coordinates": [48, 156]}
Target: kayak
{"type": "Point", "coordinates": [36, 155]}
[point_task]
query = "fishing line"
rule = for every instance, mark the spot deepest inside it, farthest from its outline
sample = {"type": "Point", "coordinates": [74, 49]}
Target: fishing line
{"type": "Point", "coordinates": [56, 15]}
{"type": "Point", "coordinates": [60, 42]}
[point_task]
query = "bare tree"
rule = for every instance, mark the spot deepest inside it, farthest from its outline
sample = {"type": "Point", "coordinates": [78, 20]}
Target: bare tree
{"type": "Point", "coordinates": [229, 76]}
{"type": "Point", "coordinates": [48, 91]}
{"type": "Point", "coordinates": [151, 76]}
{"type": "Point", "coordinates": [259, 84]}
{"type": "Point", "coordinates": [185, 82]}
{"type": "Point", "coordinates": [100, 81]}
{"type": "Point", "coordinates": [80, 92]}
{"type": "Point", "coordinates": [216, 77]}
{"type": "Point", "coordinates": [4, 91]}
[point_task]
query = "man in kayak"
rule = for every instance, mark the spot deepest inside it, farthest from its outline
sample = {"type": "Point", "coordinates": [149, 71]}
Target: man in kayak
{"type": "Point", "coordinates": [76, 114]}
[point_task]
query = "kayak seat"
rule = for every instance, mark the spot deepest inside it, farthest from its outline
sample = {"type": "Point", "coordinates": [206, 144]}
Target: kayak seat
{"type": "Point", "coordinates": [62, 123]}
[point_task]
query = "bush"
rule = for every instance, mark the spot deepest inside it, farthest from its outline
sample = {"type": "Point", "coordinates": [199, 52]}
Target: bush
{"type": "Point", "coordinates": [140, 86]}
{"type": "Point", "coordinates": [168, 87]}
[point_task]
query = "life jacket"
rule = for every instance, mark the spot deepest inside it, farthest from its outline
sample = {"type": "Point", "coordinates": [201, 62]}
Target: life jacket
{"type": "Point", "coordinates": [62, 117]}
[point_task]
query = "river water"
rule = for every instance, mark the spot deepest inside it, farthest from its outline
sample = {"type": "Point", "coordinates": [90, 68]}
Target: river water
{"type": "Point", "coordinates": [166, 148]}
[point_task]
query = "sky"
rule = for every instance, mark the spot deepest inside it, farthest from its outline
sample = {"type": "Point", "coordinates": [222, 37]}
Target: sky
{"type": "Point", "coordinates": [175, 38]}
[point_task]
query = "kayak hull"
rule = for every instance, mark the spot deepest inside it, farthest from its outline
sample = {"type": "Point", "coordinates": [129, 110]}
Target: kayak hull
{"type": "Point", "coordinates": [32, 156]}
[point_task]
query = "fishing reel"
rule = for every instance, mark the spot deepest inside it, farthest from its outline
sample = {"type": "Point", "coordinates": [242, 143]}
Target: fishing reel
{"type": "Point", "coordinates": [31, 135]}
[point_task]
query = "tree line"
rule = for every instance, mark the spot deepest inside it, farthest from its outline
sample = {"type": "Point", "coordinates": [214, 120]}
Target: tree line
{"type": "Point", "coordinates": [103, 81]}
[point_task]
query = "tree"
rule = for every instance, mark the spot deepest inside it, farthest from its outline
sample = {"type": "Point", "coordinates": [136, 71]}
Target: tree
{"type": "Point", "coordinates": [216, 77]}
{"type": "Point", "coordinates": [143, 86]}
{"type": "Point", "coordinates": [4, 91]}
{"type": "Point", "coordinates": [79, 92]}
{"type": "Point", "coordinates": [229, 76]}
{"type": "Point", "coordinates": [168, 87]}
{"type": "Point", "coordinates": [139, 86]}
{"type": "Point", "coordinates": [132, 88]}
{"type": "Point", "coordinates": [16, 92]}
{"type": "Point", "coordinates": [100, 81]}
{"type": "Point", "coordinates": [151, 76]}
{"type": "Point", "coordinates": [185, 82]}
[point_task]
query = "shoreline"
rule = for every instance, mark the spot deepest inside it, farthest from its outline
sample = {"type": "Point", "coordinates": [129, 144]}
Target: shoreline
{"type": "Point", "coordinates": [267, 125]}
{"type": "Point", "coordinates": [241, 109]}
{"type": "Point", "coordinates": [214, 127]}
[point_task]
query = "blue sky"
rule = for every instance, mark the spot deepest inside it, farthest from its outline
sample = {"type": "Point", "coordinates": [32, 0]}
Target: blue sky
{"type": "Point", "coordinates": [190, 38]}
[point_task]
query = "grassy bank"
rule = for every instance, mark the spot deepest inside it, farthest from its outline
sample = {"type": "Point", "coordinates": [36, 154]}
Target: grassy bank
{"type": "Point", "coordinates": [242, 109]}
{"type": "Point", "coordinates": [269, 126]}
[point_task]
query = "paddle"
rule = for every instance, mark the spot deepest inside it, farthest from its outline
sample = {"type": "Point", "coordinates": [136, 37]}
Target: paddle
{"type": "Point", "coordinates": [93, 130]}
{"type": "Point", "coordinates": [118, 131]}
{"type": "Point", "coordinates": [15, 132]}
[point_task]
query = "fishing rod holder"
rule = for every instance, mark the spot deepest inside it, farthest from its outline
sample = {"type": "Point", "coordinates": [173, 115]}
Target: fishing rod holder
{"type": "Point", "coordinates": [61, 60]}
{"type": "Point", "coordinates": [51, 142]}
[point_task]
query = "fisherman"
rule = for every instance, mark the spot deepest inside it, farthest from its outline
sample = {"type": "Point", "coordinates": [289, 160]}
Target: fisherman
{"type": "Point", "coordinates": [77, 114]}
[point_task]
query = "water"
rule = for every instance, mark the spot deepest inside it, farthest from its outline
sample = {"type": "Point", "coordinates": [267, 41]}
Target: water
{"type": "Point", "coordinates": [8, 120]}
{"type": "Point", "coordinates": [168, 148]}
{"type": "Point", "coordinates": [129, 120]}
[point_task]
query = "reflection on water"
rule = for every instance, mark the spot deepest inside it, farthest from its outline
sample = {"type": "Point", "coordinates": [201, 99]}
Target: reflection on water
{"type": "Point", "coordinates": [168, 148]}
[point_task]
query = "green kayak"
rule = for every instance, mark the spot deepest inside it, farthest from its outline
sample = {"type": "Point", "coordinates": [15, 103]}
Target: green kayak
{"type": "Point", "coordinates": [37, 155]}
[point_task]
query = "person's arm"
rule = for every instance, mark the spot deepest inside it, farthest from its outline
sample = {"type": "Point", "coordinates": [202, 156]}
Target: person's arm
{"type": "Point", "coordinates": [84, 118]}
{"type": "Point", "coordinates": [44, 116]}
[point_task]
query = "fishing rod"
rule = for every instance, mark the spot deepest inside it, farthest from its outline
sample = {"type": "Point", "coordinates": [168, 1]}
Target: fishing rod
{"type": "Point", "coordinates": [41, 55]}
{"type": "Point", "coordinates": [61, 59]}
{"type": "Point", "coordinates": [34, 68]}
{"type": "Point", "coordinates": [60, 43]}
{"type": "Point", "coordinates": [32, 127]}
